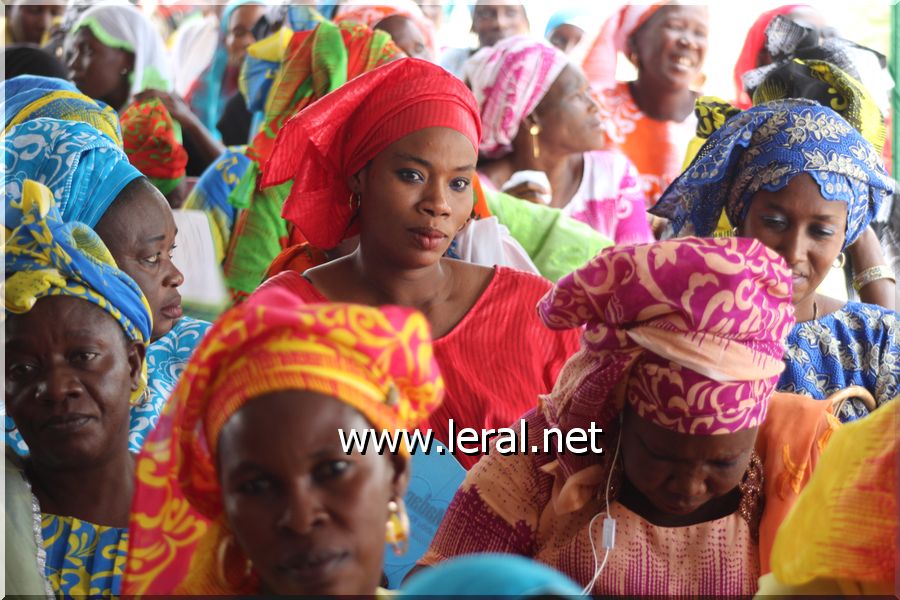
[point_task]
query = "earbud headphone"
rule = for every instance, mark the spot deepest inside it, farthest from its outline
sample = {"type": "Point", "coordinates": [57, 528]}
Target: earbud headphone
{"type": "Point", "coordinates": [609, 524]}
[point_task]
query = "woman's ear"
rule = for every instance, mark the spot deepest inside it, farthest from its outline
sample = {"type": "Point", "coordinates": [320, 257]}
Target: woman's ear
{"type": "Point", "coordinates": [400, 479]}
{"type": "Point", "coordinates": [355, 183]}
{"type": "Point", "coordinates": [136, 353]}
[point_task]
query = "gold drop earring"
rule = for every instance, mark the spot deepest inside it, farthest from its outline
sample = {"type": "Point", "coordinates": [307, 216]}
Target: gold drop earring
{"type": "Point", "coordinates": [535, 130]}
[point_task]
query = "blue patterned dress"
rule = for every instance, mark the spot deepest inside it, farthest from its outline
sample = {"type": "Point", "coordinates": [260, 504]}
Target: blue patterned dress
{"type": "Point", "coordinates": [166, 359]}
{"type": "Point", "coordinates": [856, 345]}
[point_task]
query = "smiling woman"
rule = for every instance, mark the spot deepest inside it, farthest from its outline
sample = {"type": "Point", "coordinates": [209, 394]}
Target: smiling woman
{"type": "Point", "coordinates": [250, 440]}
{"type": "Point", "coordinates": [76, 334]}
{"type": "Point", "coordinates": [391, 156]}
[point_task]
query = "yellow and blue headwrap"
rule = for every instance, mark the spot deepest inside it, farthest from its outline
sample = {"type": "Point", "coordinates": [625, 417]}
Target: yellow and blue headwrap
{"type": "Point", "coordinates": [763, 148]}
{"type": "Point", "coordinates": [47, 257]}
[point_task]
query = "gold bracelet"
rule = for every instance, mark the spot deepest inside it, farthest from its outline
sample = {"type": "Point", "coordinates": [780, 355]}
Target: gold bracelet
{"type": "Point", "coordinates": [873, 274]}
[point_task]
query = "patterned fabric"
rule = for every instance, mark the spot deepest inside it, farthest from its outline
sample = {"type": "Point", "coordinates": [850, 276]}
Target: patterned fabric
{"type": "Point", "coordinates": [379, 361]}
{"type": "Point", "coordinates": [125, 27]}
{"type": "Point", "coordinates": [167, 358]}
{"type": "Point", "coordinates": [83, 168]}
{"type": "Point", "coordinates": [753, 44]}
{"type": "Point", "coordinates": [315, 63]}
{"type": "Point", "coordinates": [602, 58]}
{"type": "Point", "coordinates": [83, 559]}
{"type": "Point", "coordinates": [844, 524]}
{"type": "Point", "coordinates": [856, 345]}
{"type": "Point", "coordinates": [509, 80]}
{"type": "Point", "coordinates": [822, 81]}
{"type": "Point", "coordinates": [763, 148]}
{"type": "Point", "coordinates": [48, 257]}
{"type": "Point", "coordinates": [207, 98]}
{"type": "Point", "coordinates": [655, 147]}
{"type": "Point", "coordinates": [31, 97]}
{"type": "Point", "coordinates": [372, 14]}
{"type": "Point", "coordinates": [152, 145]}
{"type": "Point", "coordinates": [212, 191]}
{"type": "Point", "coordinates": [610, 199]}
{"type": "Point", "coordinates": [507, 504]}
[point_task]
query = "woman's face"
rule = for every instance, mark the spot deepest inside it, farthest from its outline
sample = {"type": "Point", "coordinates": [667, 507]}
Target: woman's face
{"type": "Point", "coordinates": [311, 518]}
{"type": "Point", "coordinates": [29, 22]}
{"type": "Point", "coordinates": [240, 31]}
{"type": "Point", "coordinates": [803, 227]}
{"type": "Point", "coordinates": [679, 473]}
{"type": "Point", "coordinates": [568, 115]}
{"type": "Point", "coordinates": [566, 37]}
{"type": "Point", "coordinates": [70, 372]}
{"type": "Point", "coordinates": [497, 20]}
{"type": "Point", "coordinates": [671, 46]}
{"type": "Point", "coordinates": [415, 196]}
{"type": "Point", "coordinates": [140, 231]}
{"type": "Point", "coordinates": [407, 35]}
{"type": "Point", "coordinates": [99, 71]}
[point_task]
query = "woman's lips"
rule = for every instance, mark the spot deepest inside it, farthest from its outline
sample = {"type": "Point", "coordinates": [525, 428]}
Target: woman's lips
{"type": "Point", "coordinates": [427, 238]}
{"type": "Point", "coordinates": [173, 310]}
{"type": "Point", "coordinates": [67, 423]}
{"type": "Point", "coordinates": [315, 568]}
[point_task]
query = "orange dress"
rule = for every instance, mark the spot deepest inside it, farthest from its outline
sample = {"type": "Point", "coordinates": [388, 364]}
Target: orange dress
{"type": "Point", "coordinates": [657, 148]}
{"type": "Point", "coordinates": [506, 505]}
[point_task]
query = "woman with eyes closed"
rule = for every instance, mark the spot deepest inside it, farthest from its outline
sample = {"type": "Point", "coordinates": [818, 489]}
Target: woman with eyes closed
{"type": "Point", "coordinates": [391, 156]}
{"type": "Point", "coordinates": [76, 333]}
{"type": "Point", "coordinates": [251, 440]}
{"type": "Point", "coordinates": [799, 178]}
{"type": "Point", "coordinates": [94, 183]}
{"type": "Point", "coordinates": [700, 460]}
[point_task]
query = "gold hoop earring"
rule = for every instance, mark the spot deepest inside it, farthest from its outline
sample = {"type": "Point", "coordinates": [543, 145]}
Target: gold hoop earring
{"type": "Point", "coordinates": [222, 552]}
{"type": "Point", "coordinates": [841, 261]}
{"type": "Point", "coordinates": [397, 527]}
{"type": "Point", "coordinates": [534, 130]}
{"type": "Point", "coordinates": [354, 202]}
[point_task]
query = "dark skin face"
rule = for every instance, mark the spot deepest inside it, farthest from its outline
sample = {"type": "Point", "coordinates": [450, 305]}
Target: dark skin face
{"type": "Point", "coordinates": [671, 46]}
{"type": "Point", "coordinates": [416, 195]}
{"type": "Point", "coordinates": [566, 37]}
{"type": "Point", "coordinates": [70, 372]}
{"type": "Point", "coordinates": [99, 71]}
{"type": "Point", "coordinates": [309, 517]}
{"type": "Point", "coordinates": [568, 115]}
{"type": "Point", "coordinates": [139, 230]}
{"type": "Point", "coordinates": [406, 35]}
{"type": "Point", "coordinates": [803, 227]}
{"type": "Point", "coordinates": [240, 31]}
{"type": "Point", "coordinates": [498, 20]}
{"type": "Point", "coordinates": [29, 23]}
{"type": "Point", "coordinates": [675, 479]}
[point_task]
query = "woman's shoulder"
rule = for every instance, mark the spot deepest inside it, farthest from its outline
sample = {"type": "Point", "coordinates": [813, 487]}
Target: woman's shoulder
{"type": "Point", "coordinates": [518, 284]}
{"type": "Point", "coordinates": [859, 321]}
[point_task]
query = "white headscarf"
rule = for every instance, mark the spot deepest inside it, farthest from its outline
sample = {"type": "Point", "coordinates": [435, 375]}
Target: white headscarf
{"type": "Point", "coordinates": [124, 27]}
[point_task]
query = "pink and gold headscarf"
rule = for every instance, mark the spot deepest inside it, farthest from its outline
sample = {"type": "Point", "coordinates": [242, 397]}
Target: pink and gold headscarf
{"type": "Point", "coordinates": [689, 332]}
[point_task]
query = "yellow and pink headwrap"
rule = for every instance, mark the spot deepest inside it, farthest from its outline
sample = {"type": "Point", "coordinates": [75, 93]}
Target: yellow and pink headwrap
{"type": "Point", "coordinates": [380, 361]}
{"type": "Point", "coordinates": [689, 332]}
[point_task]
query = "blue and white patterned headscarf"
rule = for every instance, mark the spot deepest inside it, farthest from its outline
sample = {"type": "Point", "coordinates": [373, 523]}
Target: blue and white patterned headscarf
{"type": "Point", "coordinates": [83, 168]}
{"type": "Point", "coordinates": [763, 148]}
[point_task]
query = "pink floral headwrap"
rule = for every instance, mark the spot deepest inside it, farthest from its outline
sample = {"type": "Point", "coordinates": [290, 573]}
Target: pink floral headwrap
{"type": "Point", "coordinates": [689, 332]}
{"type": "Point", "coordinates": [509, 79]}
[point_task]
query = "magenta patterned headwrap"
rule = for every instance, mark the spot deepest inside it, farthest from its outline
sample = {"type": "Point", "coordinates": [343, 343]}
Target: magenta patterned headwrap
{"type": "Point", "coordinates": [689, 332]}
{"type": "Point", "coordinates": [509, 79]}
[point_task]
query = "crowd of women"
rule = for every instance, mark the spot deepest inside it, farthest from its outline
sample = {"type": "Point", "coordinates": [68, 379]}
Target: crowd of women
{"type": "Point", "coordinates": [412, 235]}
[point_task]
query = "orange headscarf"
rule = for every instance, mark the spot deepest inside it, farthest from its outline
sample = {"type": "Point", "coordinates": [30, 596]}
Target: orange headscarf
{"type": "Point", "coordinates": [377, 360]}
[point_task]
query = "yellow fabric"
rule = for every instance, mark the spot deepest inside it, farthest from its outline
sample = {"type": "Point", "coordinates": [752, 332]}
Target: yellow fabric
{"type": "Point", "coordinates": [770, 587]}
{"type": "Point", "coordinates": [844, 524]}
{"type": "Point", "coordinates": [103, 119]}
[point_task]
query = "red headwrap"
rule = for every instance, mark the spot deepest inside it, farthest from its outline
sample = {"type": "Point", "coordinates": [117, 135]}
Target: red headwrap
{"type": "Point", "coordinates": [756, 40]}
{"type": "Point", "coordinates": [335, 137]}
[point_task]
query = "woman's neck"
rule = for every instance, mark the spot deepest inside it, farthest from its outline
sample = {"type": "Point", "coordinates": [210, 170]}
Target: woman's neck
{"type": "Point", "coordinates": [565, 170]}
{"type": "Point", "coordinates": [716, 508]}
{"type": "Point", "coordinates": [421, 288]}
{"type": "Point", "coordinates": [662, 104]}
{"type": "Point", "coordinates": [99, 494]}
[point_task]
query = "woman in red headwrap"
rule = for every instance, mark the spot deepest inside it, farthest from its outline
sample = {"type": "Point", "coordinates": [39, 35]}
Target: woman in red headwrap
{"type": "Point", "coordinates": [698, 462]}
{"type": "Point", "coordinates": [391, 156]}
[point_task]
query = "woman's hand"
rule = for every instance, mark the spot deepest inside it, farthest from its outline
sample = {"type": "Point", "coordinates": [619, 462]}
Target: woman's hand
{"type": "Point", "coordinates": [530, 191]}
{"type": "Point", "coordinates": [175, 104]}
